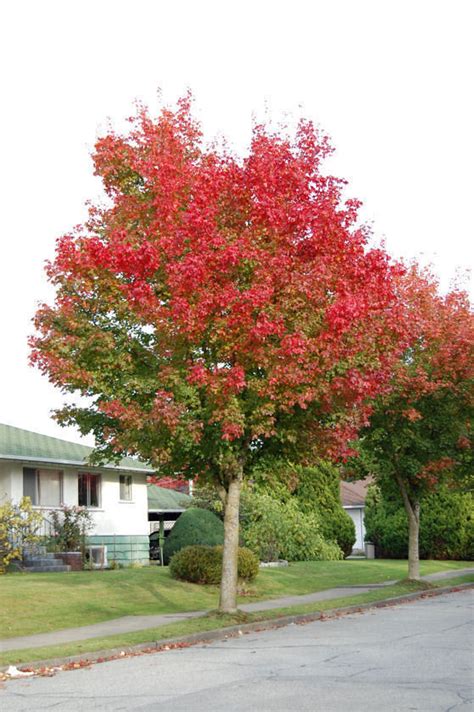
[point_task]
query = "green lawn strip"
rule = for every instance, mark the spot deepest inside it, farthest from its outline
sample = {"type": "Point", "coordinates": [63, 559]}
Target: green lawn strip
{"type": "Point", "coordinates": [40, 603]}
{"type": "Point", "coordinates": [399, 589]}
{"type": "Point", "coordinates": [214, 621]}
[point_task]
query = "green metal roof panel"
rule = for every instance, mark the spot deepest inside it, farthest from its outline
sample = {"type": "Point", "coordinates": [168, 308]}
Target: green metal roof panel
{"type": "Point", "coordinates": [160, 499]}
{"type": "Point", "coordinates": [19, 444]}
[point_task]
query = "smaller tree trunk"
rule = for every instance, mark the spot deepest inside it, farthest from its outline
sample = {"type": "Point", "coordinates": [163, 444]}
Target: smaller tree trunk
{"type": "Point", "coordinates": [412, 508]}
{"type": "Point", "coordinates": [228, 593]}
{"type": "Point", "coordinates": [413, 542]}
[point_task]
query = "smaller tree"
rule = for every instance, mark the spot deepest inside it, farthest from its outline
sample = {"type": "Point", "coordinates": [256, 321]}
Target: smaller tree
{"type": "Point", "coordinates": [420, 431]}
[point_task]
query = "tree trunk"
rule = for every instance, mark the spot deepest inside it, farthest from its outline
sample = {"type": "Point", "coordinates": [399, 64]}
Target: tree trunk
{"type": "Point", "coordinates": [228, 595]}
{"type": "Point", "coordinates": [413, 542]}
{"type": "Point", "coordinates": [412, 508]}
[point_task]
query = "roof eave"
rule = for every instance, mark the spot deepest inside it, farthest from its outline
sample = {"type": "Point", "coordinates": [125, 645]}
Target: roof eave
{"type": "Point", "coordinates": [73, 463]}
{"type": "Point", "coordinates": [163, 511]}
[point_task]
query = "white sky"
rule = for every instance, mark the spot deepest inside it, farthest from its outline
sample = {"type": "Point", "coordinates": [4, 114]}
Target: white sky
{"type": "Point", "coordinates": [391, 82]}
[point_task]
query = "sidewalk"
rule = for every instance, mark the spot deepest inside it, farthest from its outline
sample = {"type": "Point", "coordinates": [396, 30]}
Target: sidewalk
{"type": "Point", "coordinates": [130, 624]}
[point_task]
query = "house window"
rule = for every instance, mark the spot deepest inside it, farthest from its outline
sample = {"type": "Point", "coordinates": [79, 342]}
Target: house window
{"type": "Point", "coordinates": [89, 490]}
{"type": "Point", "coordinates": [43, 487]}
{"type": "Point", "coordinates": [126, 488]}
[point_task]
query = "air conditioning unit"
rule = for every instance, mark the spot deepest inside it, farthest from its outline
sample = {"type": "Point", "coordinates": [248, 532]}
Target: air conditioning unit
{"type": "Point", "coordinates": [96, 556]}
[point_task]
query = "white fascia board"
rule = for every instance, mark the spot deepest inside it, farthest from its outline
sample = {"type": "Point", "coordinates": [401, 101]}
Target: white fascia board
{"type": "Point", "coordinates": [74, 463]}
{"type": "Point", "coordinates": [164, 511]}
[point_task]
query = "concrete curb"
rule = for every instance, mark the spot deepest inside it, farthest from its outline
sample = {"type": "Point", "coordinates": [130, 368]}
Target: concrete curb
{"type": "Point", "coordinates": [231, 631]}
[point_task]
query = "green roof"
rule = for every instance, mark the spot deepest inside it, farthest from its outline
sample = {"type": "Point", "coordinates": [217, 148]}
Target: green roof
{"type": "Point", "coordinates": [161, 499]}
{"type": "Point", "coordinates": [23, 445]}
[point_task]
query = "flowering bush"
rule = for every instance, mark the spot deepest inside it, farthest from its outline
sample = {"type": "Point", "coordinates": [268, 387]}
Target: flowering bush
{"type": "Point", "coordinates": [19, 524]}
{"type": "Point", "coordinates": [70, 526]}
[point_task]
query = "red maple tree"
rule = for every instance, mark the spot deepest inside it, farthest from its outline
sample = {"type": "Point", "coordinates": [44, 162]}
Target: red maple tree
{"type": "Point", "coordinates": [217, 310]}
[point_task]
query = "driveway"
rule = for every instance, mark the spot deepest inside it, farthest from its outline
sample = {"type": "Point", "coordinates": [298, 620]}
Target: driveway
{"type": "Point", "coordinates": [416, 656]}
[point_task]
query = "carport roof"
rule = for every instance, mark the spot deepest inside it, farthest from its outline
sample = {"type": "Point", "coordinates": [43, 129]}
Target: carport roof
{"type": "Point", "coordinates": [166, 500]}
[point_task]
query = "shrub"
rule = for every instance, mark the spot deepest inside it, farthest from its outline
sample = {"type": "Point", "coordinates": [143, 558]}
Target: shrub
{"type": "Point", "coordinates": [203, 564]}
{"type": "Point", "coordinates": [339, 527]}
{"type": "Point", "coordinates": [194, 526]}
{"type": "Point", "coordinates": [274, 529]}
{"type": "Point", "coordinates": [446, 525]}
{"type": "Point", "coordinates": [302, 518]}
{"type": "Point", "coordinates": [387, 529]}
{"type": "Point", "coordinates": [248, 564]}
{"type": "Point", "coordinates": [19, 524]}
{"type": "Point", "coordinates": [71, 525]}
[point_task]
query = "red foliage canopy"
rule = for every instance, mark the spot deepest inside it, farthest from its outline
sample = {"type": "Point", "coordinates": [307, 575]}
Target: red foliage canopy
{"type": "Point", "coordinates": [219, 306]}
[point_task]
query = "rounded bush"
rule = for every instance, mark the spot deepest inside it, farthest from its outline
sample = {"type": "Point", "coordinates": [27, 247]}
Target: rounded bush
{"type": "Point", "coordinates": [203, 564]}
{"type": "Point", "coordinates": [195, 526]}
{"type": "Point", "coordinates": [247, 565]}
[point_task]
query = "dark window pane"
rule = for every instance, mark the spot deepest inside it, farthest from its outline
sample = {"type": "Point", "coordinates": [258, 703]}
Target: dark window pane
{"type": "Point", "coordinates": [88, 490]}
{"type": "Point", "coordinates": [82, 494]}
{"type": "Point", "coordinates": [126, 487]}
{"type": "Point", "coordinates": [29, 484]}
{"type": "Point", "coordinates": [94, 490]}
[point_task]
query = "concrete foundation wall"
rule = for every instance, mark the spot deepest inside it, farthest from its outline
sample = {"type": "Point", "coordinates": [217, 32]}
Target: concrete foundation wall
{"type": "Point", "coordinates": [124, 550]}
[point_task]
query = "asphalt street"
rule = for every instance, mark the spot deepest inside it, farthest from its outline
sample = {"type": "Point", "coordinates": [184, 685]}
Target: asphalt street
{"type": "Point", "coordinates": [416, 656]}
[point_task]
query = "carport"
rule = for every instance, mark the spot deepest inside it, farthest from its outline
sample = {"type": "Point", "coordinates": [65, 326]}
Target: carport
{"type": "Point", "coordinates": [165, 506]}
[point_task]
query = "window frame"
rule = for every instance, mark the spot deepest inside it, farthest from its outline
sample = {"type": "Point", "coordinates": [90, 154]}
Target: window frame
{"type": "Point", "coordinates": [88, 489]}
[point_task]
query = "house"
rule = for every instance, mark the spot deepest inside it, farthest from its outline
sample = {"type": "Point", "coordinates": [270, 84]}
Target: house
{"type": "Point", "coordinates": [353, 501]}
{"type": "Point", "coordinates": [54, 472]}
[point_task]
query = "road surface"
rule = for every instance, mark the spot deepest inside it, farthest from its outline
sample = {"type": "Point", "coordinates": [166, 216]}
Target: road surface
{"type": "Point", "coordinates": [416, 656]}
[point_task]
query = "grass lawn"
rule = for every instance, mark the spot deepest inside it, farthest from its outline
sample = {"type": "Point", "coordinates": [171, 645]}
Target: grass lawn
{"type": "Point", "coordinates": [38, 603]}
{"type": "Point", "coordinates": [210, 622]}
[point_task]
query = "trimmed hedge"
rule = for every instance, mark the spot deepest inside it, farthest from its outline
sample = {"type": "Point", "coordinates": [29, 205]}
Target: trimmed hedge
{"type": "Point", "coordinates": [194, 526]}
{"type": "Point", "coordinates": [203, 564]}
{"type": "Point", "coordinates": [446, 525]}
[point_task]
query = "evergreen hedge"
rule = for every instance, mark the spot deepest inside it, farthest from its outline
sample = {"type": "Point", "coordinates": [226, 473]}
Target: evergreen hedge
{"type": "Point", "coordinates": [317, 490]}
{"type": "Point", "coordinates": [446, 525]}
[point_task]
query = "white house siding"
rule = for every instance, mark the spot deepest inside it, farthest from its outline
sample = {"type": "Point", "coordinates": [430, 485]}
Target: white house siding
{"type": "Point", "coordinates": [121, 526]}
{"type": "Point", "coordinates": [11, 485]}
{"type": "Point", "coordinates": [357, 516]}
